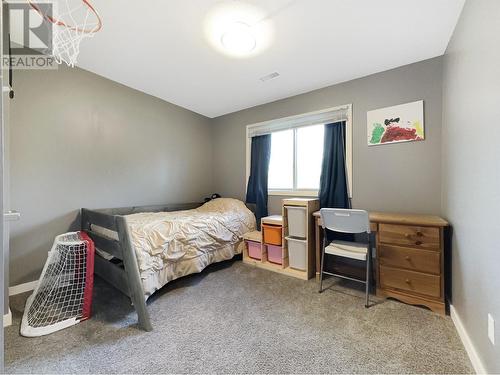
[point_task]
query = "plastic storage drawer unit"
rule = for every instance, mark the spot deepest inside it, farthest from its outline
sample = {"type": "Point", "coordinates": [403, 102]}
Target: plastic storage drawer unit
{"type": "Point", "coordinates": [254, 250]}
{"type": "Point", "coordinates": [297, 254]}
{"type": "Point", "coordinates": [297, 223]}
{"type": "Point", "coordinates": [274, 254]}
{"type": "Point", "coordinates": [272, 234]}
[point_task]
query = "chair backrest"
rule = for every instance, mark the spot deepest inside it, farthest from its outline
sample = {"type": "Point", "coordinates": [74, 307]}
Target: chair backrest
{"type": "Point", "coordinates": [345, 220]}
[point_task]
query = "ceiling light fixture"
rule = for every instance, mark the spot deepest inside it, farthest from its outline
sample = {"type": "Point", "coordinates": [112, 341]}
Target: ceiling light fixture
{"type": "Point", "coordinates": [238, 29]}
{"type": "Point", "coordinates": [238, 39]}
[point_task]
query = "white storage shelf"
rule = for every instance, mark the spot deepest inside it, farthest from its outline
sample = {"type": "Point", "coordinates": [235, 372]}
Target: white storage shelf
{"type": "Point", "coordinates": [298, 235]}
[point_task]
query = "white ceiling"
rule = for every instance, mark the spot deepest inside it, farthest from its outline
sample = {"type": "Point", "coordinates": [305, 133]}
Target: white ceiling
{"type": "Point", "coordinates": [159, 47]}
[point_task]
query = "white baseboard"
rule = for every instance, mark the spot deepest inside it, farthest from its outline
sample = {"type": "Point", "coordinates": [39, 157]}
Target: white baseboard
{"type": "Point", "coordinates": [469, 346]}
{"type": "Point", "coordinates": [18, 289]}
{"type": "Point", "coordinates": [7, 319]}
{"type": "Point", "coordinates": [22, 288]}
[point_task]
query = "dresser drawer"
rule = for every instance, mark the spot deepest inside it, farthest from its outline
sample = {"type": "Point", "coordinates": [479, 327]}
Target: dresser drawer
{"type": "Point", "coordinates": [412, 259]}
{"type": "Point", "coordinates": [423, 237]}
{"type": "Point", "coordinates": [410, 281]}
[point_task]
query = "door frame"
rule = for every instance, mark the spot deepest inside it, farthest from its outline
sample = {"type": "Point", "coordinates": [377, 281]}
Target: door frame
{"type": "Point", "coordinates": [3, 291]}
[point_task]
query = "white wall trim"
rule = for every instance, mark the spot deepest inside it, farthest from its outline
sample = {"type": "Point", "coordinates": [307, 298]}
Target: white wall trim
{"type": "Point", "coordinates": [469, 346]}
{"type": "Point", "coordinates": [22, 288]}
{"type": "Point", "coordinates": [7, 319]}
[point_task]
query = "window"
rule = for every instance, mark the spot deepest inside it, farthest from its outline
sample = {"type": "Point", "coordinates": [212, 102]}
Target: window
{"type": "Point", "coordinates": [296, 157]}
{"type": "Point", "coordinates": [297, 150]}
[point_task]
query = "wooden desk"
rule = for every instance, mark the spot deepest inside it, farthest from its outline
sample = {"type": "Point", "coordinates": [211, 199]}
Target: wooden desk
{"type": "Point", "coordinates": [410, 257]}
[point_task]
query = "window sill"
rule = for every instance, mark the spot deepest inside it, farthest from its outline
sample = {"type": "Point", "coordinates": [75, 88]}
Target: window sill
{"type": "Point", "coordinates": [296, 193]}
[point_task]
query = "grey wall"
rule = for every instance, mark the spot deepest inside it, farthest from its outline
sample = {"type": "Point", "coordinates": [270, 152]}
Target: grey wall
{"type": "Point", "coordinates": [471, 173]}
{"type": "Point", "coordinates": [79, 140]}
{"type": "Point", "coordinates": [403, 177]}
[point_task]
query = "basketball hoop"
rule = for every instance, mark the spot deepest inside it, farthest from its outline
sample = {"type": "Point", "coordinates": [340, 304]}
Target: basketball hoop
{"type": "Point", "coordinates": [73, 20]}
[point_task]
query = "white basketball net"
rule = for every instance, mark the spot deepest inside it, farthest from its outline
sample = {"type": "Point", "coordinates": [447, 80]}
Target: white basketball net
{"type": "Point", "coordinates": [73, 21]}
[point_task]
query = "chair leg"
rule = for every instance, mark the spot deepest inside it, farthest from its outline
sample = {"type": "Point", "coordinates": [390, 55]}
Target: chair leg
{"type": "Point", "coordinates": [368, 276]}
{"type": "Point", "coordinates": [322, 264]}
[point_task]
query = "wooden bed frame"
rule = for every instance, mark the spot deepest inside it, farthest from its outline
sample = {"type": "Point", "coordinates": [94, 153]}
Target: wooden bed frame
{"type": "Point", "coordinates": [124, 274]}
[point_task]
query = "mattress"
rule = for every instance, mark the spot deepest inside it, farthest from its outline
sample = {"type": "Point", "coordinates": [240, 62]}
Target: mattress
{"type": "Point", "coordinates": [169, 245]}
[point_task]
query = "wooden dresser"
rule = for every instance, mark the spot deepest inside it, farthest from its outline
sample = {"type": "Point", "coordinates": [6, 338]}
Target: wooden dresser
{"type": "Point", "coordinates": [410, 258]}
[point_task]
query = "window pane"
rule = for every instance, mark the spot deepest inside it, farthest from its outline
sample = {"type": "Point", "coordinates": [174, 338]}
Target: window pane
{"type": "Point", "coordinates": [281, 165]}
{"type": "Point", "coordinates": [309, 156]}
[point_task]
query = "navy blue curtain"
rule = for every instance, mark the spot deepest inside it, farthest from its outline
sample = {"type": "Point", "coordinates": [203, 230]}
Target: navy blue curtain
{"type": "Point", "coordinates": [333, 191]}
{"type": "Point", "coordinates": [259, 168]}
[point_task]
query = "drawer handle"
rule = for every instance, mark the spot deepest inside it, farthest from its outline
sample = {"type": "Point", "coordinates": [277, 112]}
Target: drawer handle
{"type": "Point", "coordinates": [407, 258]}
{"type": "Point", "coordinates": [418, 243]}
{"type": "Point", "coordinates": [408, 281]}
{"type": "Point", "coordinates": [420, 234]}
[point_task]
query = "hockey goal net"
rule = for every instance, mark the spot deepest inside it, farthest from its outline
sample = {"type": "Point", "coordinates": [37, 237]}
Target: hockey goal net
{"type": "Point", "coordinates": [63, 296]}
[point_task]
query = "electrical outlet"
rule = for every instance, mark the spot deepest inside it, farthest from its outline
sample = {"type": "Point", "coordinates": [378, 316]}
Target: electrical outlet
{"type": "Point", "coordinates": [491, 329]}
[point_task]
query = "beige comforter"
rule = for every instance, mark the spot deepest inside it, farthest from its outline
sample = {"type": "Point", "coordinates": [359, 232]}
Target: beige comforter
{"type": "Point", "coordinates": [169, 245]}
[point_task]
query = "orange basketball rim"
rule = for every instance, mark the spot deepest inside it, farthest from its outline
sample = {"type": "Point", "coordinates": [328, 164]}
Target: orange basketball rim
{"type": "Point", "coordinates": [72, 14]}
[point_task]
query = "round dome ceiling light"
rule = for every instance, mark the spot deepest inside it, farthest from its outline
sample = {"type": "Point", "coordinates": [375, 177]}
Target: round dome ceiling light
{"type": "Point", "coordinates": [238, 39]}
{"type": "Point", "coordinates": [238, 29]}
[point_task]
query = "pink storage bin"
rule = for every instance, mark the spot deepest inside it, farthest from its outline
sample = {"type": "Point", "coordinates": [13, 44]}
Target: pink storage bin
{"type": "Point", "coordinates": [274, 254]}
{"type": "Point", "coordinates": [254, 250]}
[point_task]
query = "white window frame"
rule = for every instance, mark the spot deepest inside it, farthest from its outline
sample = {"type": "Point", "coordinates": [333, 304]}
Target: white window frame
{"type": "Point", "coordinates": [324, 116]}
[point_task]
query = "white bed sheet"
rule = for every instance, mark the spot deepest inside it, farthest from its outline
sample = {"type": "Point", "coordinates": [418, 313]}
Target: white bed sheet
{"type": "Point", "coordinates": [169, 245]}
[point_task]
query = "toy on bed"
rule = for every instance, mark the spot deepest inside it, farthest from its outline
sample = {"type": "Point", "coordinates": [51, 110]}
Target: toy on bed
{"type": "Point", "coordinates": [140, 249]}
{"type": "Point", "coordinates": [213, 196]}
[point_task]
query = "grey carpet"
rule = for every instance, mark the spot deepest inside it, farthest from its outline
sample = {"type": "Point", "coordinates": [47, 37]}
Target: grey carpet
{"type": "Point", "coordinates": [234, 318]}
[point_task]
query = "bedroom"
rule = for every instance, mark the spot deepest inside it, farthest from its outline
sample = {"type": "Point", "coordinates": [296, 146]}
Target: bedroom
{"type": "Point", "coordinates": [163, 114]}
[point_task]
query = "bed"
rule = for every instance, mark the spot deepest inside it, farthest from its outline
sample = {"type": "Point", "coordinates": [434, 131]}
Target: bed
{"type": "Point", "coordinates": [141, 249]}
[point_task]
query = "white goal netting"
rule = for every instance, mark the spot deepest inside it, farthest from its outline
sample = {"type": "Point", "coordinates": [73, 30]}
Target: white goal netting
{"type": "Point", "coordinates": [63, 296]}
{"type": "Point", "coordinates": [72, 21]}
